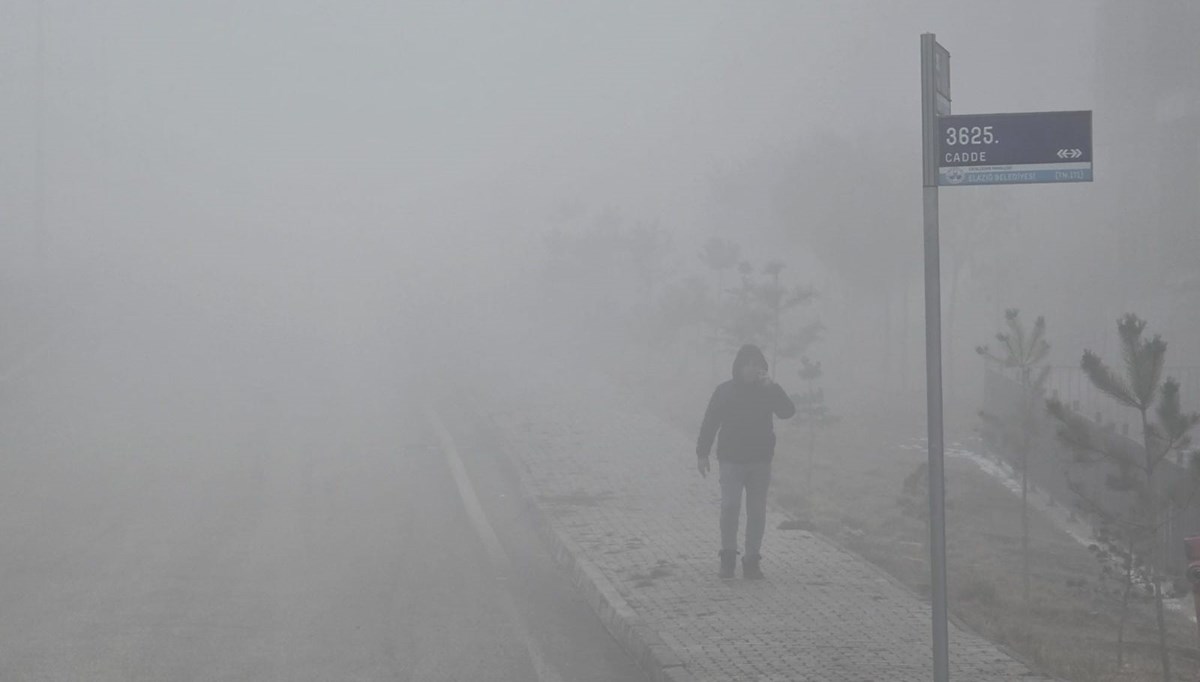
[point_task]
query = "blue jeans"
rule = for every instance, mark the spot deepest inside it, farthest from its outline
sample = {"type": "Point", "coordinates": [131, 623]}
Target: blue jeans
{"type": "Point", "coordinates": [755, 477]}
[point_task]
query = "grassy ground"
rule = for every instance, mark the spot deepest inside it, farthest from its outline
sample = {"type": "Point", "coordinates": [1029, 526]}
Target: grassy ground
{"type": "Point", "coordinates": [856, 497]}
{"type": "Point", "coordinates": [853, 493]}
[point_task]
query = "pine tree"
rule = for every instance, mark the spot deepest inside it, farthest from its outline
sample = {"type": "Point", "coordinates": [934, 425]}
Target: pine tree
{"type": "Point", "coordinates": [720, 255]}
{"type": "Point", "coordinates": [1138, 472]}
{"type": "Point", "coordinates": [1023, 352]}
{"type": "Point", "coordinates": [812, 412]}
{"type": "Point", "coordinates": [778, 300]}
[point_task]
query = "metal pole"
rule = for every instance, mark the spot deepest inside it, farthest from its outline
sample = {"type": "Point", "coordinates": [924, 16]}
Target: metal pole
{"type": "Point", "coordinates": [41, 236]}
{"type": "Point", "coordinates": [933, 364]}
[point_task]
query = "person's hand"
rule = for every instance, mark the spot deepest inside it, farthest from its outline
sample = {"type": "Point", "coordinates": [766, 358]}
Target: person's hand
{"type": "Point", "coordinates": [702, 465]}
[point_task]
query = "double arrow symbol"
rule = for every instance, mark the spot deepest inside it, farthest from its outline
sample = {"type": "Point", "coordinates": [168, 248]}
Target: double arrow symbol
{"type": "Point", "coordinates": [1070, 153]}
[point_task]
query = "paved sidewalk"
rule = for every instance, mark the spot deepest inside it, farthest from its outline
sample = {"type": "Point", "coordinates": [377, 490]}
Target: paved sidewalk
{"type": "Point", "coordinates": [627, 512]}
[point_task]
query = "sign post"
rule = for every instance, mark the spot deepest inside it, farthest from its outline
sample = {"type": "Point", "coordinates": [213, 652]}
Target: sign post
{"type": "Point", "coordinates": [935, 99]}
{"type": "Point", "coordinates": [957, 151]}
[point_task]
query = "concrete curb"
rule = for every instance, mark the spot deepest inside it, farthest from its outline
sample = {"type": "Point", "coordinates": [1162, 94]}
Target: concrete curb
{"type": "Point", "coordinates": [632, 632]}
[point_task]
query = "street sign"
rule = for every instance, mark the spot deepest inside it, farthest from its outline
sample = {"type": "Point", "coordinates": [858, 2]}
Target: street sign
{"type": "Point", "coordinates": [1006, 149]}
{"type": "Point", "coordinates": [941, 79]}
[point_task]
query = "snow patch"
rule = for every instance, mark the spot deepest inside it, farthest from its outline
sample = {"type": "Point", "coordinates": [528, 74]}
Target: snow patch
{"type": "Point", "coordinates": [1061, 517]}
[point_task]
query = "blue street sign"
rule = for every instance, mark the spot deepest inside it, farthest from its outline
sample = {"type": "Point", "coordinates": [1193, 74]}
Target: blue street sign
{"type": "Point", "coordinates": [1006, 149]}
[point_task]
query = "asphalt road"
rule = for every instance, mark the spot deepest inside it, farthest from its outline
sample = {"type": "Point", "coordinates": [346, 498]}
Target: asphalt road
{"type": "Point", "coordinates": [192, 506]}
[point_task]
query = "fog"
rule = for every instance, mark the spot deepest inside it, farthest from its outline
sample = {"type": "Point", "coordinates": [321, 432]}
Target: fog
{"type": "Point", "coordinates": [224, 223]}
{"type": "Point", "coordinates": [380, 154]}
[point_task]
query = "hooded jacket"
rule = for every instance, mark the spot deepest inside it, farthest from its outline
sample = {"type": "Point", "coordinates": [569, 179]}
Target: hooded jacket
{"type": "Point", "coordinates": [739, 414]}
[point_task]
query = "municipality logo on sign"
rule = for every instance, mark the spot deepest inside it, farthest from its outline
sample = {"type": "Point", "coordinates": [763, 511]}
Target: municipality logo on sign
{"type": "Point", "coordinates": [954, 176]}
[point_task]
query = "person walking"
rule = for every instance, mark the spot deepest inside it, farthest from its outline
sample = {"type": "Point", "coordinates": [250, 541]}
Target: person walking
{"type": "Point", "coordinates": [740, 418]}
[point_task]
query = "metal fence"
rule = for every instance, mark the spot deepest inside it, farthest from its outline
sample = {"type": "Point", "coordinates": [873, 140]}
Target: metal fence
{"type": "Point", "coordinates": [1047, 468]}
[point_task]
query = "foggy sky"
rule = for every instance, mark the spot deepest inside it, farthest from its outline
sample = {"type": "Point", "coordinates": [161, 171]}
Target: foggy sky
{"type": "Point", "coordinates": [235, 158]}
{"type": "Point", "coordinates": [418, 118]}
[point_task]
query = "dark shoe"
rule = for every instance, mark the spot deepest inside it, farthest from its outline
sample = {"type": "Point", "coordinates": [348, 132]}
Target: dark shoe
{"type": "Point", "coordinates": [728, 562]}
{"type": "Point", "coordinates": [750, 569]}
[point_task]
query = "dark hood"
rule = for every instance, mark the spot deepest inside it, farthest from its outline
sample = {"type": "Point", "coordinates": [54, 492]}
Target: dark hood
{"type": "Point", "coordinates": [749, 353]}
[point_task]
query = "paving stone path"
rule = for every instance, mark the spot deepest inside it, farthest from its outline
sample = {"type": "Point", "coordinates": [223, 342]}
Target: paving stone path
{"type": "Point", "coordinates": [619, 488]}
